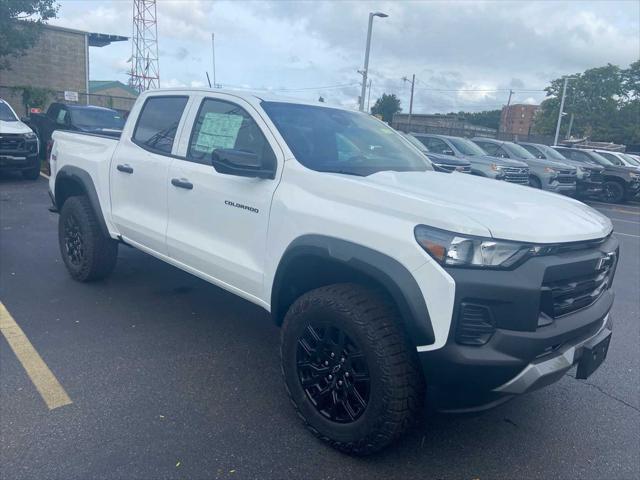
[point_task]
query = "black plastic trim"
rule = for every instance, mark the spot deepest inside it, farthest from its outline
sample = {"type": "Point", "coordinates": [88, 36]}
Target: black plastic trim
{"type": "Point", "coordinates": [388, 272]}
{"type": "Point", "coordinates": [83, 179]}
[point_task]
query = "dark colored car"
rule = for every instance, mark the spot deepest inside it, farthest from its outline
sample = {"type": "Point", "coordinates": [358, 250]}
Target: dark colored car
{"type": "Point", "coordinates": [620, 183]}
{"type": "Point", "coordinates": [589, 178]}
{"type": "Point", "coordinates": [441, 163]}
{"type": "Point", "coordinates": [544, 174]}
{"type": "Point", "coordinates": [80, 118]}
{"type": "Point", "coordinates": [483, 165]}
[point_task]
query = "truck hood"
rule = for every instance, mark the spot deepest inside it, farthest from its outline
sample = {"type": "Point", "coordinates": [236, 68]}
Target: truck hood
{"type": "Point", "coordinates": [488, 160]}
{"type": "Point", "coordinates": [507, 211]}
{"type": "Point", "coordinates": [13, 127]}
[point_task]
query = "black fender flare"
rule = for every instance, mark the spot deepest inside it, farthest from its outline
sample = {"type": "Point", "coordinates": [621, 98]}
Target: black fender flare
{"type": "Point", "coordinates": [83, 179]}
{"type": "Point", "coordinates": [388, 272]}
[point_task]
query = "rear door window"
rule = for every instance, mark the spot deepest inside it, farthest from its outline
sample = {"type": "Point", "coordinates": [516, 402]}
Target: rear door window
{"type": "Point", "coordinates": [158, 123]}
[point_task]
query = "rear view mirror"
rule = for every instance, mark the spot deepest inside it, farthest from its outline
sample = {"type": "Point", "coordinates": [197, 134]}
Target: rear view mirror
{"type": "Point", "coordinates": [239, 162]}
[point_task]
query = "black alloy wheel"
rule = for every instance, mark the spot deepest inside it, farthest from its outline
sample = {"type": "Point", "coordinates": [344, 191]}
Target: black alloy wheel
{"type": "Point", "coordinates": [73, 241]}
{"type": "Point", "coordinates": [333, 372]}
{"type": "Point", "coordinates": [613, 192]}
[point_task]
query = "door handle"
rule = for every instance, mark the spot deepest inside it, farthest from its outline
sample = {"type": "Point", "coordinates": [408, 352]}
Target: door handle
{"type": "Point", "coordinates": [124, 168]}
{"type": "Point", "coordinates": [182, 183]}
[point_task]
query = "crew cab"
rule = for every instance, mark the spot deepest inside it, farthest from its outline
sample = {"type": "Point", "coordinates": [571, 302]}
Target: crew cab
{"type": "Point", "coordinates": [73, 117]}
{"type": "Point", "coordinates": [441, 163]}
{"type": "Point", "coordinates": [588, 176]}
{"type": "Point", "coordinates": [482, 165]}
{"type": "Point", "coordinates": [549, 175]}
{"type": "Point", "coordinates": [621, 183]}
{"type": "Point", "coordinates": [385, 276]}
{"type": "Point", "coordinates": [18, 144]}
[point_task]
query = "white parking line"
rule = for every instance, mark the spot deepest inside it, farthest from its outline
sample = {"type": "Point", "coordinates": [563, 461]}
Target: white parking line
{"type": "Point", "coordinates": [625, 221]}
{"type": "Point", "coordinates": [42, 174]}
{"type": "Point", "coordinates": [626, 234]}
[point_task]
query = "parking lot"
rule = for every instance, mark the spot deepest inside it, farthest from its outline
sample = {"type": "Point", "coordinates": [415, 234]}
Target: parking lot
{"type": "Point", "coordinates": [171, 377]}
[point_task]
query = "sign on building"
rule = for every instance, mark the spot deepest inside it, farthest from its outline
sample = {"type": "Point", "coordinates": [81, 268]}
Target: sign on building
{"type": "Point", "coordinates": [70, 96]}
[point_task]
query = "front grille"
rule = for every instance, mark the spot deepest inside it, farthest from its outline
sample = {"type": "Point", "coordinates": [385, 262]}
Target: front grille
{"type": "Point", "coordinates": [568, 295]}
{"type": "Point", "coordinates": [566, 176]}
{"type": "Point", "coordinates": [11, 141]}
{"type": "Point", "coordinates": [596, 177]}
{"type": "Point", "coordinates": [475, 324]}
{"type": "Point", "coordinates": [453, 168]}
{"type": "Point", "coordinates": [518, 175]}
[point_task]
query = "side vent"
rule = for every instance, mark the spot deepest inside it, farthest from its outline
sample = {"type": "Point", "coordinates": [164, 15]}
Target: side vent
{"type": "Point", "coordinates": [475, 324]}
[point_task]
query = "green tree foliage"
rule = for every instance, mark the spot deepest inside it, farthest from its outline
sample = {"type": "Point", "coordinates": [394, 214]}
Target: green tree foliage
{"type": "Point", "coordinates": [486, 118]}
{"type": "Point", "coordinates": [605, 102]}
{"type": "Point", "coordinates": [386, 106]}
{"type": "Point", "coordinates": [19, 25]}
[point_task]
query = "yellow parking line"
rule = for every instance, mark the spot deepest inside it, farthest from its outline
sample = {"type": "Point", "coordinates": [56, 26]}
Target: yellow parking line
{"type": "Point", "coordinates": [47, 384]}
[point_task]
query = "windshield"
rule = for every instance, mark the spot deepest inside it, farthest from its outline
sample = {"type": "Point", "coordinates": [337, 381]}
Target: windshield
{"type": "Point", "coordinates": [94, 118]}
{"type": "Point", "coordinates": [6, 114]}
{"type": "Point", "coordinates": [600, 159]}
{"type": "Point", "coordinates": [414, 141]}
{"type": "Point", "coordinates": [612, 158]}
{"type": "Point", "coordinates": [630, 160]}
{"type": "Point", "coordinates": [331, 140]}
{"type": "Point", "coordinates": [551, 154]}
{"type": "Point", "coordinates": [466, 147]}
{"type": "Point", "coordinates": [518, 151]}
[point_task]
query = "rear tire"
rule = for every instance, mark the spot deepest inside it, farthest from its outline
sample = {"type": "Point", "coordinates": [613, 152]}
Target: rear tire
{"type": "Point", "coordinates": [362, 384]}
{"type": "Point", "coordinates": [613, 192]}
{"type": "Point", "coordinates": [86, 251]}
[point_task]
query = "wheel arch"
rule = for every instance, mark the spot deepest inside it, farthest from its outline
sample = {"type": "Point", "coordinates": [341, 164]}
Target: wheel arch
{"type": "Point", "coordinates": [73, 181]}
{"type": "Point", "coordinates": [312, 261]}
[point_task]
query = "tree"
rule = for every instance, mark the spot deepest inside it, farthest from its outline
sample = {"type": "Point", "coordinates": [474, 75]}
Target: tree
{"type": "Point", "coordinates": [386, 106]}
{"type": "Point", "coordinates": [486, 118]}
{"type": "Point", "coordinates": [603, 100]}
{"type": "Point", "coordinates": [20, 22]}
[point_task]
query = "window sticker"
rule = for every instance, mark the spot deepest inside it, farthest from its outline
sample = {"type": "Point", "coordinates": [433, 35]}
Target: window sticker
{"type": "Point", "coordinates": [218, 130]}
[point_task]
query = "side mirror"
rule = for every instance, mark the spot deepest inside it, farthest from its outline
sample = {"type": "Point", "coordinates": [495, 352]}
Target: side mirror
{"type": "Point", "coordinates": [238, 162]}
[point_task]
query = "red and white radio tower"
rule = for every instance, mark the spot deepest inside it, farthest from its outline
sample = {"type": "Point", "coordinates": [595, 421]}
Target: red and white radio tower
{"type": "Point", "coordinates": [145, 70]}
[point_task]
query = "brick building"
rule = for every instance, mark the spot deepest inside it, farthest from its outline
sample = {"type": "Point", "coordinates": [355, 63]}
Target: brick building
{"type": "Point", "coordinates": [58, 62]}
{"type": "Point", "coordinates": [518, 119]}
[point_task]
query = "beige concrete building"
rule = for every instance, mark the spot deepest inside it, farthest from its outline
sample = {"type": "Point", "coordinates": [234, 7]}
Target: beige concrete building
{"type": "Point", "coordinates": [59, 62]}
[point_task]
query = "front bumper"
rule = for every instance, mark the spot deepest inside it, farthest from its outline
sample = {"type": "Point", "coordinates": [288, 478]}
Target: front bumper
{"type": "Point", "coordinates": [22, 158]}
{"type": "Point", "coordinates": [527, 348]}
{"type": "Point", "coordinates": [586, 188]}
{"type": "Point", "coordinates": [557, 187]}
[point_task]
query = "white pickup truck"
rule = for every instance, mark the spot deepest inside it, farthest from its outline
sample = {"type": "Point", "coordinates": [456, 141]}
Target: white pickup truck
{"type": "Point", "coordinates": [392, 282]}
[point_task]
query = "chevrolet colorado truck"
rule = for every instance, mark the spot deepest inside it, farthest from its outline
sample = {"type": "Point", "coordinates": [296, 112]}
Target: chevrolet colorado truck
{"type": "Point", "coordinates": [391, 282]}
{"type": "Point", "coordinates": [18, 144]}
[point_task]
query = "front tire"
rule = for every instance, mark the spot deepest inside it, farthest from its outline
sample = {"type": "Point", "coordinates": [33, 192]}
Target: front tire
{"type": "Point", "coordinates": [348, 367]}
{"type": "Point", "coordinates": [32, 173]}
{"type": "Point", "coordinates": [86, 251]}
{"type": "Point", "coordinates": [613, 192]}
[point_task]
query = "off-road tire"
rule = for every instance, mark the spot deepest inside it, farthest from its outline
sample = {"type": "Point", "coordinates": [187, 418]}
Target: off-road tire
{"type": "Point", "coordinates": [613, 192]}
{"type": "Point", "coordinates": [99, 252]}
{"type": "Point", "coordinates": [31, 173]}
{"type": "Point", "coordinates": [397, 386]}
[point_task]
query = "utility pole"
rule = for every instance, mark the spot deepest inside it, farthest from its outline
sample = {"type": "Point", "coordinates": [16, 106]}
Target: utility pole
{"type": "Point", "coordinates": [506, 114]}
{"type": "Point", "coordinates": [570, 126]}
{"type": "Point", "coordinates": [365, 70]}
{"type": "Point", "coordinates": [564, 92]}
{"type": "Point", "coordinates": [369, 97]}
{"type": "Point", "coordinates": [413, 83]}
{"type": "Point", "coordinates": [213, 57]}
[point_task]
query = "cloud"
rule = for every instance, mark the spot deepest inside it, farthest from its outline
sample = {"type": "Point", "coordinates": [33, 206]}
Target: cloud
{"type": "Point", "coordinates": [448, 45]}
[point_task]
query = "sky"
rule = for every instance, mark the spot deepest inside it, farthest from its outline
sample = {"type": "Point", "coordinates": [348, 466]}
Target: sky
{"type": "Point", "coordinates": [465, 55]}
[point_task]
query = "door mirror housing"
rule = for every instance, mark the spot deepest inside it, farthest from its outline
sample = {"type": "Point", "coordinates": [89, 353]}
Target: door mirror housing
{"type": "Point", "coordinates": [240, 163]}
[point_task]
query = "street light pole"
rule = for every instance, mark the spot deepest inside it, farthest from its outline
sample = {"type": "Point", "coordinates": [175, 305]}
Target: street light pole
{"type": "Point", "coordinates": [365, 70]}
{"type": "Point", "coordinates": [564, 92]}
{"type": "Point", "coordinates": [213, 57]}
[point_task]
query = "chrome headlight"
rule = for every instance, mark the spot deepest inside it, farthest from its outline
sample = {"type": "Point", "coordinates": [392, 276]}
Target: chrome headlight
{"type": "Point", "coordinates": [453, 249]}
{"type": "Point", "coordinates": [30, 136]}
{"type": "Point", "coordinates": [634, 176]}
{"type": "Point", "coordinates": [495, 167]}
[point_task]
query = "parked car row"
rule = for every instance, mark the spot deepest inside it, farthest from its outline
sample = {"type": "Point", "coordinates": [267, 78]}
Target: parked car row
{"type": "Point", "coordinates": [611, 176]}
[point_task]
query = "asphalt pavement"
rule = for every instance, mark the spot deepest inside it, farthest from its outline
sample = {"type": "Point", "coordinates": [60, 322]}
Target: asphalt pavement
{"type": "Point", "coordinates": [171, 377]}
